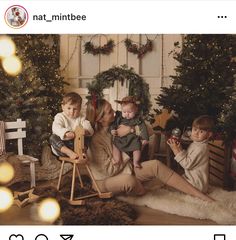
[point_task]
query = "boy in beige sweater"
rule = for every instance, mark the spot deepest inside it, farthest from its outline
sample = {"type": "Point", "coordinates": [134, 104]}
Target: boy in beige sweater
{"type": "Point", "coordinates": [195, 160]}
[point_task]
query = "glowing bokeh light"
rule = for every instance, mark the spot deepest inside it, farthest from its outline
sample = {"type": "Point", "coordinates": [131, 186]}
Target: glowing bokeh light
{"type": "Point", "coordinates": [6, 172]}
{"type": "Point", "coordinates": [49, 210]}
{"type": "Point", "coordinates": [6, 199]}
{"type": "Point", "coordinates": [7, 47]}
{"type": "Point", "coordinates": [12, 65]}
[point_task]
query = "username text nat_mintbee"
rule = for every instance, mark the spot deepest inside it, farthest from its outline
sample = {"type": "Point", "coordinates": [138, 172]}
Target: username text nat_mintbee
{"type": "Point", "coordinates": [59, 17]}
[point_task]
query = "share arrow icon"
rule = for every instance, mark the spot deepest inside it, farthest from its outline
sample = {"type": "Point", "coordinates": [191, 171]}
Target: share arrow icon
{"type": "Point", "coordinates": [67, 236]}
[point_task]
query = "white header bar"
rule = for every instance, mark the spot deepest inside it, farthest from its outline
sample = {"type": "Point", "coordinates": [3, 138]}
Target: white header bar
{"type": "Point", "coordinates": [74, 17]}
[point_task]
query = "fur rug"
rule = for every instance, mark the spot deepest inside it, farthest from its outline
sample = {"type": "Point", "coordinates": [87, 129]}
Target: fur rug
{"type": "Point", "coordinates": [222, 211]}
{"type": "Point", "coordinates": [95, 211]}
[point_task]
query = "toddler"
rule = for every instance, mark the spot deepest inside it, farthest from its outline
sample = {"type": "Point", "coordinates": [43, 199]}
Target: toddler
{"type": "Point", "coordinates": [195, 160]}
{"type": "Point", "coordinates": [65, 123]}
{"type": "Point", "coordinates": [129, 116]}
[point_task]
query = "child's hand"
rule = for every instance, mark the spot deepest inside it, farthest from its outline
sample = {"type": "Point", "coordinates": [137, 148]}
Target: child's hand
{"type": "Point", "coordinates": [114, 132]}
{"type": "Point", "coordinates": [123, 130]}
{"type": "Point", "coordinates": [116, 161]}
{"type": "Point", "coordinates": [69, 135]}
{"type": "Point", "coordinates": [144, 142]}
{"type": "Point", "coordinates": [87, 133]}
{"type": "Point", "coordinates": [175, 146]}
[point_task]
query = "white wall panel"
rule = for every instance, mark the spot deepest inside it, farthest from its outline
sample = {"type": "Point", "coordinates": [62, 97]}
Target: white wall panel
{"type": "Point", "coordinates": [155, 67]}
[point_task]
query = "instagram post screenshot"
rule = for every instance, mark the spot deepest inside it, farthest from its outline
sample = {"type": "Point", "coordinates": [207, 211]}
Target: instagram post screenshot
{"type": "Point", "coordinates": [117, 120]}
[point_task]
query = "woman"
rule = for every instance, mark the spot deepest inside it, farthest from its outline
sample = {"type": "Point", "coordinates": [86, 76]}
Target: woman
{"type": "Point", "coordinates": [119, 178]}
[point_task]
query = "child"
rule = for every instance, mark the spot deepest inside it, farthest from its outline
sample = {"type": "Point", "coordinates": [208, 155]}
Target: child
{"type": "Point", "coordinates": [65, 123]}
{"type": "Point", "coordinates": [130, 143]}
{"type": "Point", "coordinates": [195, 160]}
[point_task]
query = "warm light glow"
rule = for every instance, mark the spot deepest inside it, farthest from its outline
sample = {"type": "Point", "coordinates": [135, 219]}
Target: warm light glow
{"type": "Point", "coordinates": [49, 210]}
{"type": "Point", "coordinates": [6, 199]}
{"type": "Point", "coordinates": [12, 65]}
{"type": "Point", "coordinates": [7, 47]}
{"type": "Point", "coordinates": [6, 172]}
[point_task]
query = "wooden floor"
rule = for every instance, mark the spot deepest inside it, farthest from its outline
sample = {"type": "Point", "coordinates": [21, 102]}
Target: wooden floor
{"type": "Point", "coordinates": [146, 216]}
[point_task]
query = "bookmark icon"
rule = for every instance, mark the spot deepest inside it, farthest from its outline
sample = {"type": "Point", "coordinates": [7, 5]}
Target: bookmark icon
{"type": "Point", "coordinates": [219, 237]}
{"type": "Point", "coordinates": [67, 236]}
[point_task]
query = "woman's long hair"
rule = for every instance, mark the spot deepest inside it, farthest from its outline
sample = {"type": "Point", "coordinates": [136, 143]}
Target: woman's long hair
{"type": "Point", "coordinates": [94, 112]}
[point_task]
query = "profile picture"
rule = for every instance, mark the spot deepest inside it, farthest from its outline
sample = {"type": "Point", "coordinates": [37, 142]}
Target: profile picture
{"type": "Point", "coordinates": [16, 16]}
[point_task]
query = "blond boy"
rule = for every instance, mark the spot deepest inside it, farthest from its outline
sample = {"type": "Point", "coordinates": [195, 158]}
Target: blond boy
{"type": "Point", "coordinates": [64, 124]}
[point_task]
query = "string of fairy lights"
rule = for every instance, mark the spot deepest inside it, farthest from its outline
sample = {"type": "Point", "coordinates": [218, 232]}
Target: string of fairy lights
{"type": "Point", "coordinates": [48, 209]}
{"type": "Point", "coordinates": [10, 62]}
{"type": "Point", "coordinates": [79, 37]}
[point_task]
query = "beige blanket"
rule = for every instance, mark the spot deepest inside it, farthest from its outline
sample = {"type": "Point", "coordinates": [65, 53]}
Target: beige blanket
{"type": "Point", "coordinates": [222, 211]}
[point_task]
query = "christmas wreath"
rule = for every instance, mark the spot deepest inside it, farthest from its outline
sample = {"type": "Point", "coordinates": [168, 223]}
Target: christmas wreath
{"type": "Point", "coordinates": [137, 85]}
{"type": "Point", "coordinates": [105, 49]}
{"type": "Point", "coordinates": [135, 49]}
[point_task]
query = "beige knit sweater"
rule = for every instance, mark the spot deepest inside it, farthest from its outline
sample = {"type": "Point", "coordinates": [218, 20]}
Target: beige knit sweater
{"type": "Point", "coordinates": [100, 156]}
{"type": "Point", "coordinates": [195, 161]}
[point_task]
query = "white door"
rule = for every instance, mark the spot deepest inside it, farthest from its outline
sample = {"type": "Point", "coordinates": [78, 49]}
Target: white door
{"type": "Point", "coordinates": [79, 68]}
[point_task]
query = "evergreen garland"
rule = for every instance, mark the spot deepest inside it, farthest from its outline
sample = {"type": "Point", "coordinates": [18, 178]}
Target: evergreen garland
{"type": "Point", "coordinates": [137, 86]}
{"type": "Point", "coordinates": [105, 49]}
{"type": "Point", "coordinates": [135, 49]}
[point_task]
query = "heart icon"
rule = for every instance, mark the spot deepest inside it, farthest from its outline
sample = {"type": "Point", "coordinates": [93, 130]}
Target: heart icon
{"type": "Point", "coordinates": [16, 237]}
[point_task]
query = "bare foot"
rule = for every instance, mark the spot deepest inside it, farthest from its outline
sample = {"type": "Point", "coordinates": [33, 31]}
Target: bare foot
{"type": "Point", "coordinates": [142, 192]}
{"type": "Point", "coordinates": [210, 199]}
{"type": "Point", "coordinates": [72, 155]}
{"type": "Point", "coordinates": [137, 165]}
{"type": "Point", "coordinates": [115, 162]}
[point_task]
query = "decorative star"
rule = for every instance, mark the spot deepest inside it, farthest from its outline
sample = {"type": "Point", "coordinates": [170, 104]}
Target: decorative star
{"type": "Point", "coordinates": [21, 199]}
{"type": "Point", "coordinates": [162, 118]}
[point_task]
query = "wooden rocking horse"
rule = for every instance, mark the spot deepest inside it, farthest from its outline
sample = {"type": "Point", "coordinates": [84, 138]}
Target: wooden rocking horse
{"type": "Point", "coordinates": [82, 160]}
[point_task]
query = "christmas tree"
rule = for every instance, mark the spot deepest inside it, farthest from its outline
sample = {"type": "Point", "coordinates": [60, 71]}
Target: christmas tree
{"type": "Point", "coordinates": [227, 119]}
{"type": "Point", "coordinates": [204, 80]}
{"type": "Point", "coordinates": [43, 51]}
{"type": "Point", "coordinates": [34, 95]}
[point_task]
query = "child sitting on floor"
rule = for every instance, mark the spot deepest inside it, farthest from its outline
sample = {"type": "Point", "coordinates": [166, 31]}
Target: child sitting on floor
{"type": "Point", "coordinates": [130, 143]}
{"type": "Point", "coordinates": [64, 125]}
{"type": "Point", "coordinates": [195, 160]}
